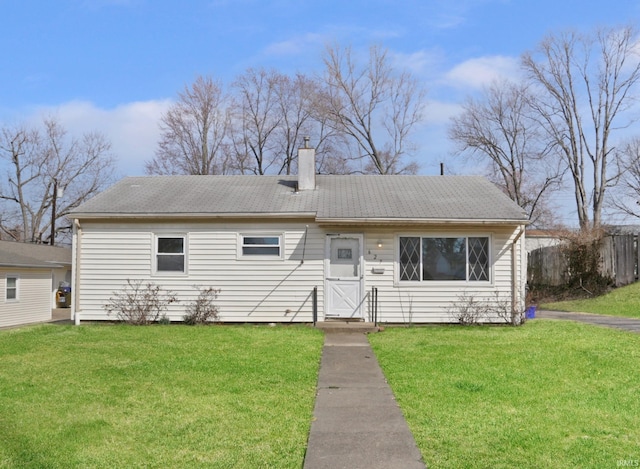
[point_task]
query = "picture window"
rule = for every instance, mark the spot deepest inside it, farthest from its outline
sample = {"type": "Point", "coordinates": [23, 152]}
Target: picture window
{"type": "Point", "coordinates": [444, 259]}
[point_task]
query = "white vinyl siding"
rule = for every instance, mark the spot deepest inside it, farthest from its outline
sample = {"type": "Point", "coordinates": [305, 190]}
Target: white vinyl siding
{"type": "Point", "coordinates": [430, 302]}
{"type": "Point", "coordinates": [265, 289]}
{"type": "Point", "coordinates": [33, 297]}
{"type": "Point", "coordinates": [279, 289]}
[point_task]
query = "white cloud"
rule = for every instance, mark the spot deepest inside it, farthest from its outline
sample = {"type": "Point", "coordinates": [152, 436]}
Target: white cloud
{"type": "Point", "coordinates": [439, 112]}
{"type": "Point", "coordinates": [481, 71]}
{"type": "Point", "coordinates": [132, 128]}
{"type": "Point", "coordinates": [295, 45]}
{"type": "Point", "coordinates": [420, 63]}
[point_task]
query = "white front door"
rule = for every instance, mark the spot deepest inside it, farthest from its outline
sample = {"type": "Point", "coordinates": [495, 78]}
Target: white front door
{"type": "Point", "coordinates": [344, 276]}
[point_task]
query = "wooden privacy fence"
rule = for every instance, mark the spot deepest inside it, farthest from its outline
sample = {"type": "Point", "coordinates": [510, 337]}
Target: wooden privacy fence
{"type": "Point", "coordinates": [548, 266]}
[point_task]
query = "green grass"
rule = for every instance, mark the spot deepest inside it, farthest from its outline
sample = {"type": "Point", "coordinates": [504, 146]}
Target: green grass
{"type": "Point", "coordinates": [549, 394]}
{"type": "Point", "coordinates": [623, 301]}
{"type": "Point", "coordinates": [160, 396]}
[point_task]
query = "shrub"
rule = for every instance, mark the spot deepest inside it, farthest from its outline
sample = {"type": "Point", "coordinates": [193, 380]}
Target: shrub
{"type": "Point", "coordinates": [202, 310]}
{"type": "Point", "coordinates": [574, 268]}
{"type": "Point", "coordinates": [140, 304]}
{"type": "Point", "coordinates": [584, 253]}
{"type": "Point", "coordinates": [502, 307]}
{"type": "Point", "coordinates": [164, 320]}
{"type": "Point", "coordinates": [468, 310]}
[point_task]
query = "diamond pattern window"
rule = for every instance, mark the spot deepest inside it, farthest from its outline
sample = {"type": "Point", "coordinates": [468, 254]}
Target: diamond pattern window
{"type": "Point", "coordinates": [409, 258]}
{"type": "Point", "coordinates": [444, 259]}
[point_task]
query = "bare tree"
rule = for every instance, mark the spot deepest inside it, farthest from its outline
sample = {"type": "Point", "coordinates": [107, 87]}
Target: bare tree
{"type": "Point", "coordinates": [295, 103]}
{"type": "Point", "coordinates": [585, 87]}
{"type": "Point", "coordinates": [272, 114]}
{"type": "Point", "coordinates": [194, 132]}
{"type": "Point", "coordinates": [37, 163]}
{"type": "Point", "coordinates": [497, 128]}
{"type": "Point", "coordinates": [625, 196]}
{"type": "Point", "coordinates": [257, 116]}
{"type": "Point", "coordinates": [374, 106]}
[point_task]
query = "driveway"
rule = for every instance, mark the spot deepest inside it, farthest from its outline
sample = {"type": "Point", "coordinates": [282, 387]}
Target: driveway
{"type": "Point", "coordinates": [60, 314]}
{"type": "Point", "coordinates": [627, 324]}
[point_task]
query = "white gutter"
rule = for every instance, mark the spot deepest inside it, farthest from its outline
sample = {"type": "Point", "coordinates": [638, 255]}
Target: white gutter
{"type": "Point", "coordinates": [48, 265]}
{"type": "Point", "coordinates": [514, 271]}
{"type": "Point", "coordinates": [297, 215]}
{"type": "Point", "coordinates": [75, 271]}
{"type": "Point", "coordinates": [416, 221]}
{"type": "Point", "coordinates": [187, 216]}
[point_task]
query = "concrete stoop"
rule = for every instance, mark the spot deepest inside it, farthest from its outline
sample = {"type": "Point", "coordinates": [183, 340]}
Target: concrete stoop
{"type": "Point", "coordinates": [347, 326]}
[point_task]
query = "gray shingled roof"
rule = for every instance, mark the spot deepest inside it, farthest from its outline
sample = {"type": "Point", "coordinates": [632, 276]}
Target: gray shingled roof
{"type": "Point", "coordinates": [14, 254]}
{"type": "Point", "coordinates": [336, 198]}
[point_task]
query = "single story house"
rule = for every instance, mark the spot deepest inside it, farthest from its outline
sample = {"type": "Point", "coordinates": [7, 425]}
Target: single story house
{"type": "Point", "coordinates": [30, 275]}
{"type": "Point", "coordinates": [285, 248]}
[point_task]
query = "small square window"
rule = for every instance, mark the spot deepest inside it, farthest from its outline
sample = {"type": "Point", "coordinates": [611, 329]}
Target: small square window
{"type": "Point", "coordinates": [170, 254]}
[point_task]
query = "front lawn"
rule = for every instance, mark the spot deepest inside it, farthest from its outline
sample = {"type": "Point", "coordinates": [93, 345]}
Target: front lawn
{"type": "Point", "coordinates": [158, 396]}
{"type": "Point", "coordinates": [549, 394]}
{"type": "Point", "coordinates": [623, 301]}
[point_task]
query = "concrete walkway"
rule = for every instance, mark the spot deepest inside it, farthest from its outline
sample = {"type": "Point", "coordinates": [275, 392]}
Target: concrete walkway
{"type": "Point", "coordinates": [357, 422]}
{"type": "Point", "coordinates": [627, 324]}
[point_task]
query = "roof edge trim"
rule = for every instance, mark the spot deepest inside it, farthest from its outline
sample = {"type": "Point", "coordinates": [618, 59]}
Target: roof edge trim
{"type": "Point", "coordinates": [420, 221]}
{"type": "Point", "coordinates": [182, 216]}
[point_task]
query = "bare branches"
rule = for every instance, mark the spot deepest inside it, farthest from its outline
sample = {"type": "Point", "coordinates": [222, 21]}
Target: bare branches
{"type": "Point", "coordinates": [140, 304]}
{"type": "Point", "coordinates": [360, 118]}
{"type": "Point", "coordinates": [584, 87]}
{"type": "Point", "coordinates": [625, 197]}
{"type": "Point", "coordinates": [272, 114]}
{"type": "Point", "coordinates": [373, 106]}
{"type": "Point", "coordinates": [40, 159]}
{"type": "Point", "coordinates": [498, 128]}
{"type": "Point", "coordinates": [257, 116]}
{"type": "Point", "coordinates": [194, 130]}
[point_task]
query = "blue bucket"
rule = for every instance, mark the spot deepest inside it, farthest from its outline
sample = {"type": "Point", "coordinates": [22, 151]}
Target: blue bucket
{"type": "Point", "coordinates": [530, 313]}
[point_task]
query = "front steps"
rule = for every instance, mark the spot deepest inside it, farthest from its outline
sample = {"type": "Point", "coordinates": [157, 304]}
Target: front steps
{"type": "Point", "coordinates": [342, 326]}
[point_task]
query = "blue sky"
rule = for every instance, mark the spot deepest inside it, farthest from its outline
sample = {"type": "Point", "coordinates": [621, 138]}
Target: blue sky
{"type": "Point", "coordinates": [116, 65]}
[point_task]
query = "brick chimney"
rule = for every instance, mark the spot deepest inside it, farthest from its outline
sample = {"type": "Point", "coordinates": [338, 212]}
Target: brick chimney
{"type": "Point", "coordinates": [306, 167]}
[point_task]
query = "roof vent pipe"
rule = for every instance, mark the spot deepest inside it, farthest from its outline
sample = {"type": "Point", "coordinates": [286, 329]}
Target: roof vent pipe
{"type": "Point", "coordinates": [306, 167]}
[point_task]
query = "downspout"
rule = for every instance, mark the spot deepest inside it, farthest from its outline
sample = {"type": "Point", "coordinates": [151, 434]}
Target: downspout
{"type": "Point", "coordinates": [52, 297]}
{"type": "Point", "coordinates": [514, 273]}
{"type": "Point", "coordinates": [75, 271]}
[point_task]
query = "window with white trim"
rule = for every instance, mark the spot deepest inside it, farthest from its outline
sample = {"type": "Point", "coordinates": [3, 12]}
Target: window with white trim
{"type": "Point", "coordinates": [11, 290]}
{"type": "Point", "coordinates": [170, 253]}
{"type": "Point", "coordinates": [260, 245]}
{"type": "Point", "coordinates": [444, 258]}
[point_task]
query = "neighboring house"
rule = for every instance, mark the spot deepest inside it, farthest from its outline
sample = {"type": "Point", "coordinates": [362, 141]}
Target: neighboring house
{"type": "Point", "coordinates": [29, 278]}
{"type": "Point", "coordinates": [537, 239]}
{"type": "Point", "coordinates": [425, 242]}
